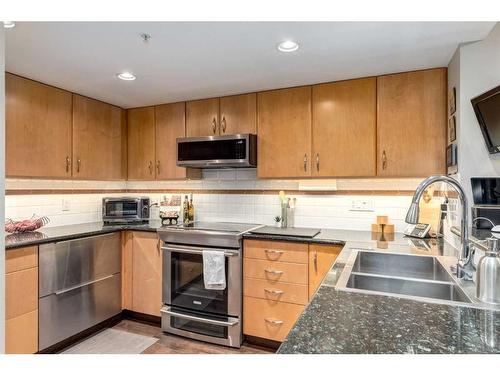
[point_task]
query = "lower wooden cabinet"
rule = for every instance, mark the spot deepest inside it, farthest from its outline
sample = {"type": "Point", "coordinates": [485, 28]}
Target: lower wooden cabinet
{"type": "Point", "coordinates": [146, 273]}
{"type": "Point", "coordinates": [279, 279]}
{"type": "Point", "coordinates": [321, 258]}
{"type": "Point", "coordinates": [21, 301]}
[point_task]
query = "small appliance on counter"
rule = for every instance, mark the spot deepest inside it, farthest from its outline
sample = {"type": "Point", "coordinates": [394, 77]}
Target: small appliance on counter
{"type": "Point", "coordinates": [125, 210]}
{"type": "Point", "coordinates": [486, 208]}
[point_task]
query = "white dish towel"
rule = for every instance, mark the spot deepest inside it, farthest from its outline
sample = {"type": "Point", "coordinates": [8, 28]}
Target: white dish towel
{"type": "Point", "coordinates": [214, 270]}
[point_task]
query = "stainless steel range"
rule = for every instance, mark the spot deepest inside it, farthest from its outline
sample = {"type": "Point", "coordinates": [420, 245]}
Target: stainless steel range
{"type": "Point", "coordinates": [189, 309]}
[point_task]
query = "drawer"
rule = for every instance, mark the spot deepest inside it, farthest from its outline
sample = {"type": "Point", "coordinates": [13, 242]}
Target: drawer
{"type": "Point", "coordinates": [268, 319]}
{"type": "Point", "coordinates": [21, 334]}
{"type": "Point", "coordinates": [21, 292]}
{"type": "Point", "coordinates": [275, 251]}
{"type": "Point", "coordinates": [21, 259]}
{"type": "Point", "coordinates": [275, 291]}
{"type": "Point", "coordinates": [275, 271]}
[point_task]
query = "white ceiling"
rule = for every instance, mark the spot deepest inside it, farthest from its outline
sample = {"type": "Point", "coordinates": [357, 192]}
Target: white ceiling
{"type": "Point", "coordinates": [193, 60]}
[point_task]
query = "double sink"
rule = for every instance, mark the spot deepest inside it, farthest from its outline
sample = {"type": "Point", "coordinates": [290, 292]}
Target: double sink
{"type": "Point", "coordinates": [401, 275]}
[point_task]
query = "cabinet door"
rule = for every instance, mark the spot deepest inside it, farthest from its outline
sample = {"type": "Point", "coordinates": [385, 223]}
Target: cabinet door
{"type": "Point", "coordinates": [146, 273]}
{"type": "Point", "coordinates": [21, 300]}
{"type": "Point", "coordinates": [202, 117]}
{"type": "Point", "coordinates": [321, 258]}
{"type": "Point", "coordinates": [284, 133]}
{"type": "Point", "coordinates": [170, 125]}
{"type": "Point", "coordinates": [238, 114]}
{"type": "Point", "coordinates": [38, 129]}
{"type": "Point", "coordinates": [99, 140]}
{"type": "Point", "coordinates": [344, 128]}
{"type": "Point", "coordinates": [141, 143]}
{"type": "Point", "coordinates": [411, 123]}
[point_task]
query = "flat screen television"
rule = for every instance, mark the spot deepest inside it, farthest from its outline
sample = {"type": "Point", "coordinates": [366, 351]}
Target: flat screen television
{"type": "Point", "coordinates": [487, 109]}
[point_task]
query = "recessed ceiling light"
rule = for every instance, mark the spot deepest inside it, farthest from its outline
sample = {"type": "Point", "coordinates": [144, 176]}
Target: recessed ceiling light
{"type": "Point", "coordinates": [9, 24]}
{"type": "Point", "coordinates": [288, 46]}
{"type": "Point", "coordinates": [126, 76]}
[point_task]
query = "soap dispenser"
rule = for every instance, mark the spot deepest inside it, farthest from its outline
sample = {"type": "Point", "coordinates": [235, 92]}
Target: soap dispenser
{"type": "Point", "coordinates": [488, 273]}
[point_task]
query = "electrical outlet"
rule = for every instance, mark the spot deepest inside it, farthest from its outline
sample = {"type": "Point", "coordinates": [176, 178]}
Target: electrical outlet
{"type": "Point", "coordinates": [362, 205]}
{"type": "Point", "coordinates": [65, 206]}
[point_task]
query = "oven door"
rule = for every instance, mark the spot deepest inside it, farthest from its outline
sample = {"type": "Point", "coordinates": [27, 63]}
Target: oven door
{"type": "Point", "coordinates": [183, 284]}
{"type": "Point", "coordinates": [200, 326]}
{"type": "Point", "coordinates": [121, 209]}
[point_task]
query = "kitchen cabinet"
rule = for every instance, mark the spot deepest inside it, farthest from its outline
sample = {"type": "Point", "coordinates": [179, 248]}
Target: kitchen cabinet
{"type": "Point", "coordinates": [38, 129]}
{"type": "Point", "coordinates": [146, 273]}
{"type": "Point", "coordinates": [344, 128]}
{"type": "Point", "coordinates": [411, 123]}
{"type": "Point", "coordinates": [141, 143]}
{"type": "Point", "coordinates": [21, 314]}
{"type": "Point", "coordinates": [202, 117]}
{"type": "Point", "coordinates": [321, 258]}
{"type": "Point", "coordinates": [238, 114]}
{"type": "Point", "coordinates": [284, 133]}
{"type": "Point", "coordinates": [279, 279]}
{"type": "Point", "coordinates": [170, 125]}
{"type": "Point", "coordinates": [99, 140]}
{"type": "Point", "coordinates": [235, 114]}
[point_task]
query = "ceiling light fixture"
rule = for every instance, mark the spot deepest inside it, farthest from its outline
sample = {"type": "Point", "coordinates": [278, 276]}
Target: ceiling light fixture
{"type": "Point", "coordinates": [8, 24]}
{"type": "Point", "coordinates": [288, 46]}
{"type": "Point", "coordinates": [126, 76]}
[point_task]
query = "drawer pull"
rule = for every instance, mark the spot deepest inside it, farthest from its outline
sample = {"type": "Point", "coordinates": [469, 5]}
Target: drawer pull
{"type": "Point", "coordinates": [274, 291]}
{"type": "Point", "coordinates": [273, 251]}
{"type": "Point", "coordinates": [274, 272]}
{"type": "Point", "coordinates": [273, 321]}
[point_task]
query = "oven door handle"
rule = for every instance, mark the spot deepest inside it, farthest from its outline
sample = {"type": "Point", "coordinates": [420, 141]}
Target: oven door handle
{"type": "Point", "coordinates": [231, 321]}
{"type": "Point", "coordinates": [191, 250]}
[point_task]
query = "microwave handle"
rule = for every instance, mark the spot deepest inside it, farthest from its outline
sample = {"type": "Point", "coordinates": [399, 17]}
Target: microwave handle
{"type": "Point", "coordinates": [192, 250]}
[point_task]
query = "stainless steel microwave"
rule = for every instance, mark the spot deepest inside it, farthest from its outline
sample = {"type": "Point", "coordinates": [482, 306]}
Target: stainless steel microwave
{"type": "Point", "coordinates": [220, 151]}
{"type": "Point", "coordinates": [125, 209]}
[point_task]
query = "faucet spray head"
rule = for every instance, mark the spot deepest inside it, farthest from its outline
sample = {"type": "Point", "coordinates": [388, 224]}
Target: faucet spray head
{"type": "Point", "coordinates": [412, 214]}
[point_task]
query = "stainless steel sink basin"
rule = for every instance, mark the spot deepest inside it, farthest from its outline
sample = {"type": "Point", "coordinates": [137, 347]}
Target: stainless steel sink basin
{"type": "Point", "coordinates": [409, 276]}
{"type": "Point", "coordinates": [424, 289]}
{"type": "Point", "coordinates": [409, 266]}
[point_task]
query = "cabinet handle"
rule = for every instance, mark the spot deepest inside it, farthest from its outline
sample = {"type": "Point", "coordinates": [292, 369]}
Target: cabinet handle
{"type": "Point", "coordinates": [305, 162]}
{"type": "Point", "coordinates": [272, 291]}
{"type": "Point", "coordinates": [274, 272]}
{"type": "Point", "coordinates": [67, 164]}
{"type": "Point", "coordinates": [214, 125]}
{"type": "Point", "coordinates": [223, 124]}
{"type": "Point", "coordinates": [273, 251]}
{"type": "Point", "coordinates": [384, 160]}
{"type": "Point", "coordinates": [158, 167]}
{"type": "Point", "coordinates": [150, 167]}
{"type": "Point", "coordinates": [273, 321]}
{"type": "Point", "coordinates": [158, 246]}
{"type": "Point", "coordinates": [315, 260]}
{"type": "Point", "coordinates": [78, 163]}
{"type": "Point", "coordinates": [317, 161]}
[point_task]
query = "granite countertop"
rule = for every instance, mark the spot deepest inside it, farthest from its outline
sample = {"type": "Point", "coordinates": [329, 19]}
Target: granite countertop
{"type": "Point", "coordinates": [70, 232]}
{"type": "Point", "coordinates": [337, 321]}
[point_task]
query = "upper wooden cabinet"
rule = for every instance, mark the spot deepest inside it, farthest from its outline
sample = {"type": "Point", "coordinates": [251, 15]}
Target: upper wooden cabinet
{"type": "Point", "coordinates": [141, 143]}
{"type": "Point", "coordinates": [170, 125]}
{"type": "Point", "coordinates": [284, 133]}
{"type": "Point", "coordinates": [202, 117]}
{"type": "Point", "coordinates": [411, 123]}
{"type": "Point", "coordinates": [344, 128]}
{"type": "Point", "coordinates": [38, 129]}
{"type": "Point", "coordinates": [99, 140]}
{"type": "Point", "coordinates": [238, 114]}
{"type": "Point", "coordinates": [235, 114]}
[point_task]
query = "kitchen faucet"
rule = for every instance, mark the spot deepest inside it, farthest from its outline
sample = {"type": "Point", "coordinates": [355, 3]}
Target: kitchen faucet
{"type": "Point", "coordinates": [464, 264]}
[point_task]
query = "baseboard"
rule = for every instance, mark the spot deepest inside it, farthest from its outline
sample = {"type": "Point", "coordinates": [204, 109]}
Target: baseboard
{"type": "Point", "coordinates": [144, 318]}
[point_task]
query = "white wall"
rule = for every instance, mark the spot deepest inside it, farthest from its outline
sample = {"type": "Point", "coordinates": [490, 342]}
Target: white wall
{"type": "Point", "coordinates": [474, 69]}
{"type": "Point", "coordinates": [2, 191]}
